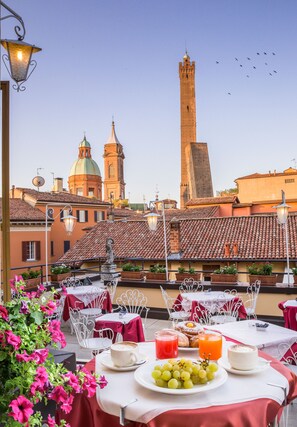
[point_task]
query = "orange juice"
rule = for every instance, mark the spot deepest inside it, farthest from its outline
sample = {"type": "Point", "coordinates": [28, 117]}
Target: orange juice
{"type": "Point", "coordinates": [210, 345]}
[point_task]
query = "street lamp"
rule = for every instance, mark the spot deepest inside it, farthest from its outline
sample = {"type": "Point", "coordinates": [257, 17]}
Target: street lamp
{"type": "Point", "coordinates": [152, 220]}
{"type": "Point", "coordinates": [69, 222]}
{"type": "Point", "coordinates": [282, 211]}
{"type": "Point", "coordinates": [19, 59]}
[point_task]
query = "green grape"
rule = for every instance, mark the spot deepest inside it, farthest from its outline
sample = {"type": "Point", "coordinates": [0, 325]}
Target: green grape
{"type": "Point", "coordinates": [176, 374]}
{"type": "Point", "coordinates": [213, 367]}
{"type": "Point", "coordinates": [195, 379]}
{"type": "Point", "coordinates": [175, 367]}
{"type": "Point", "coordinates": [156, 374]}
{"type": "Point", "coordinates": [188, 384]}
{"type": "Point", "coordinates": [203, 380]}
{"type": "Point", "coordinates": [158, 368]}
{"type": "Point", "coordinates": [188, 363]}
{"type": "Point", "coordinates": [172, 361]}
{"type": "Point", "coordinates": [185, 376]}
{"type": "Point", "coordinates": [167, 367]}
{"type": "Point", "coordinates": [161, 383]}
{"type": "Point", "coordinates": [183, 360]}
{"type": "Point", "coordinates": [173, 383]}
{"type": "Point", "coordinates": [179, 384]}
{"type": "Point", "coordinates": [202, 373]}
{"type": "Point", "coordinates": [166, 375]}
{"type": "Point", "coordinates": [195, 369]}
{"type": "Point", "coordinates": [188, 369]}
{"type": "Point", "coordinates": [210, 376]}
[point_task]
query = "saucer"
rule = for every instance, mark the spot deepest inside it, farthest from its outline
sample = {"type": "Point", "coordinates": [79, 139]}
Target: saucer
{"type": "Point", "coordinates": [106, 361]}
{"type": "Point", "coordinates": [262, 366]}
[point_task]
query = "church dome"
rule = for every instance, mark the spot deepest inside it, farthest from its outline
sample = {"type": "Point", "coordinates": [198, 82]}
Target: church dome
{"type": "Point", "coordinates": [86, 166]}
{"type": "Point", "coordinates": [85, 143]}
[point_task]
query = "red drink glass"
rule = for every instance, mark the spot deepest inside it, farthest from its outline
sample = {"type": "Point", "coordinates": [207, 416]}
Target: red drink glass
{"type": "Point", "coordinates": [166, 345]}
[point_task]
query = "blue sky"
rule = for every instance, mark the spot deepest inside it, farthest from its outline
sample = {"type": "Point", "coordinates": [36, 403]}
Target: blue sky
{"type": "Point", "coordinates": [119, 58]}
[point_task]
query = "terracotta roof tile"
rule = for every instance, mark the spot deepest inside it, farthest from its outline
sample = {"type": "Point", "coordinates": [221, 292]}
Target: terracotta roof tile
{"type": "Point", "coordinates": [258, 238]}
{"type": "Point", "coordinates": [22, 211]}
{"type": "Point", "coordinates": [63, 197]}
{"type": "Point", "coordinates": [212, 200]}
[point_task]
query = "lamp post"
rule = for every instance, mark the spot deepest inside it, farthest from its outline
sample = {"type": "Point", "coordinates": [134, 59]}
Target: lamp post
{"type": "Point", "coordinates": [152, 219]}
{"type": "Point", "coordinates": [69, 222]}
{"type": "Point", "coordinates": [282, 211]}
{"type": "Point", "coordinates": [19, 60]}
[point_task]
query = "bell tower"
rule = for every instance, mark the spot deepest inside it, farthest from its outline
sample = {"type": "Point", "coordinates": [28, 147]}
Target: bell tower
{"type": "Point", "coordinates": [113, 168]}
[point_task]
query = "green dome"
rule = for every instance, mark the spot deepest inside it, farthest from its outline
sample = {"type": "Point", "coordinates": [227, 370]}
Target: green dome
{"type": "Point", "coordinates": [86, 166]}
{"type": "Point", "coordinates": [84, 143]}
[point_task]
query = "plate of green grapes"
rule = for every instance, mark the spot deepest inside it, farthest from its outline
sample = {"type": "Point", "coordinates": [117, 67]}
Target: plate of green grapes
{"type": "Point", "coordinates": [180, 376]}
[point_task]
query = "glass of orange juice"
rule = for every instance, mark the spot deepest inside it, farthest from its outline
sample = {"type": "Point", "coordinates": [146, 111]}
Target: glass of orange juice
{"type": "Point", "coordinates": [210, 345]}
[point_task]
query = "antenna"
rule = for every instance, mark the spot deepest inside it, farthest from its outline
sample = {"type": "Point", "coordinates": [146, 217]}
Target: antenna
{"type": "Point", "coordinates": [294, 161]}
{"type": "Point", "coordinates": [53, 173]}
{"type": "Point", "coordinates": [39, 169]}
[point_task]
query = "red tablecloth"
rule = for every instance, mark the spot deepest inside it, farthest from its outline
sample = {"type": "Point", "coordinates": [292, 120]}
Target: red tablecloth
{"type": "Point", "coordinates": [178, 306]}
{"type": "Point", "coordinates": [131, 331]}
{"type": "Point", "coordinates": [259, 412]}
{"type": "Point", "coordinates": [290, 314]}
{"type": "Point", "coordinates": [73, 302]}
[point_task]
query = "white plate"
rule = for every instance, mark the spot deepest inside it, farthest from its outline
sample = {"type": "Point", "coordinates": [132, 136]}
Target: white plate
{"type": "Point", "coordinates": [108, 363]}
{"type": "Point", "coordinates": [262, 366]}
{"type": "Point", "coordinates": [143, 376]}
{"type": "Point", "coordinates": [188, 349]}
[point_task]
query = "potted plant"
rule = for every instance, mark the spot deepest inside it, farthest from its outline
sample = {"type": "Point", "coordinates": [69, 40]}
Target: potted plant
{"type": "Point", "coordinates": [131, 272]}
{"type": "Point", "coordinates": [157, 273]}
{"type": "Point", "coordinates": [225, 275]}
{"type": "Point", "coordinates": [186, 274]}
{"type": "Point", "coordinates": [30, 379]}
{"type": "Point", "coordinates": [32, 278]}
{"type": "Point", "coordinates": [294, 271]}
{"type": "Point", "coordinates": [262, 272]}
{"type": "Point", "coordinates": [60, 272]}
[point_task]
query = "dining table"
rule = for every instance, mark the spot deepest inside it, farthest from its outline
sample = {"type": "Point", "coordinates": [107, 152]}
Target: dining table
{"type": "Point", "coordinates": [289, 309]}
{"type": "Point", "coordinates": [213, 301]}
{"type": "Point", "coordinates": [238, 401]}
{"type": "Point", "coordinates": [79, 297]}
{"type": "Point", "coordinates": [275, 340]}
{"type": "Point", "coordinates": [128, 325]}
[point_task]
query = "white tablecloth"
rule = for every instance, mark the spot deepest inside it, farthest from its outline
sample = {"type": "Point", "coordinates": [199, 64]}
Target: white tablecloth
{"type": "Point", "coordinates": [213, 300]}
{"type": "Point", "coordinates": [115, 317]}
{"type": "Point", "coordinates": [267, 340]}
{"type": "Point", "coordinates": [290, 303]}
{"type": "Point", "coordinates": [122, 389]}
{"type": "Point", "coordinates": [86, 294]}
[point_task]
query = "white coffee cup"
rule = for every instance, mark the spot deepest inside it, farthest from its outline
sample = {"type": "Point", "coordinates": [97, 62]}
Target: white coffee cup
{"type": "Point", "coordinates": [243, 357]}
{"type": "Point", "coordinates": [125, 353]}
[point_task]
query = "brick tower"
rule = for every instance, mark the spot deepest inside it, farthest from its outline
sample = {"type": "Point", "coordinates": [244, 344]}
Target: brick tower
{"type": "Point", "coordinates": [195, 167]}
{"type": "Point", "coordinates": [85, 177]}
{"type": "Point", "coordinates": [113, 168]}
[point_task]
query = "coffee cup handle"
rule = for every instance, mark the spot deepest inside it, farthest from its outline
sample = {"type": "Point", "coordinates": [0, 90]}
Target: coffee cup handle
{"type": "Point", "coordinates": [134, 358]}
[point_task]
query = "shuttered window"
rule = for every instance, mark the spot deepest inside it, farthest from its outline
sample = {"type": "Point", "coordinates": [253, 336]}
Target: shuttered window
{"type": "Point", "coordinates": [31, 251]}
{"type": "Point", "coordinates": [82, 216]}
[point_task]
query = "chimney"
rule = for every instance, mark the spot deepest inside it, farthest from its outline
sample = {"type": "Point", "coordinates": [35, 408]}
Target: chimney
{"type": "Point", "coordinates": [174, 237]}
{"type": "Point", "coordinates": [235, 249]}
{"type": "Point", "coordinates": [12, 191]}
{"type": "Point", "coordinates": [58, 185]}
{"type": "Point", "coordinates": [227, 249]}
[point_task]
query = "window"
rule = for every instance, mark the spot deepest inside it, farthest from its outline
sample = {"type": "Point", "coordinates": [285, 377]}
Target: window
{"type": "Point", "coordinates": [66, 245]}
{"type": "Point", "coordinates": [91, 192]}
{"type": "Point", "coordinates": [208, 269]}
{"type": "Point", "coordinates": [52, 249]}
{"type": "Point", "coordinates": [79, 192]}
{"type": "Point", "coordinates": [82, 216]}
{"type": "Point", "coordinates": [111, 171]}
{"type": "Point", "coordinates": [30, 251]}
{"type": "Point", "coordinates": [289, 181]}
{"type": "Point", "coordinates": [99, 216]}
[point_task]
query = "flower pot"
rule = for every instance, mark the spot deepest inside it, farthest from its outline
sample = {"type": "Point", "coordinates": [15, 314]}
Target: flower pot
{"type": "Point", "coordinates": [229, 279]}
{"type": "Point", "coordinates": [265, 280]}
{"type": "Point", "coordinates": [180, 277]}
{"type": "Point", "coordinates": [132, 275]}
{"type": "Point", "coordinates": [33, 283]}
{"type": "Point", "coordinates": [156, 277]}
{"type": "Point", "coordinates": [60, 277]}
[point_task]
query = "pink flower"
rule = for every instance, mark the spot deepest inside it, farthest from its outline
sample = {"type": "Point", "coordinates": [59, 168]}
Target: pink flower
{"type": "Point", "coordinates": [102, 381]}
{"type": "Point", "coordinates": [49, 308]}
{"type": "Point", "coordinates": [89, 383]}
{"type": "Point", "coordinates": [24, 308]}
{"type": "Point", "coordinates": [14, 340]}
{"type": "Point", "coordinates": [41, 287]}
{"type": "Point", "coordinates": [3, 313]}
{"type": "Point", "coordinates": [50, 421]}
{"type": "Point", "coordinates": [73, 381]}
{"type": "Point", "coordinates": [58, 394]}
{"type": "Point", "coordinates": [23, 357]}
{"type": "Point", "coordinates": [57, 335]}
{"type": "Point", "coordinates": [40, 355]}
{"type": "Point", "coordinates": [40, 382]}
{"type": "Point", "coordinates": [64, 290]}
{"type": "Point", "coordinates": [19, 281]}
{"type": "Point", "coordinates": [67, 405]}
{"type": "Point", "coordinates": [21, 409]}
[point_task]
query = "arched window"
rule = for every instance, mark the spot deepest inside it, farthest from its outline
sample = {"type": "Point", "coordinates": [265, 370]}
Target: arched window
{"type": "Point", "coordinates": [111, 171]}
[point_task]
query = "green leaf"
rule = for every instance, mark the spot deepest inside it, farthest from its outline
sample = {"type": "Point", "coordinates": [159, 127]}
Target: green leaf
{"type": "Point", "coordinates": [37, 316]}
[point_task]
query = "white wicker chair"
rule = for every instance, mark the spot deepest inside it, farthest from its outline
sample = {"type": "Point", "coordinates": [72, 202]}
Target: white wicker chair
{"type": "Point", "coordinates": [133, 301]}
{"type": "Point", "coordinates": [94, 302]}
{"type": "Point", "coordinates": [111, 287]}
{"type": "Point", "coordinates": [191, 285]}
{"type": "Point", "coordinates": [227, 308]}
{"type": "Point", "coordinates": [202, 315]}
{"type": "Point", "coordinates": [84, 330]}
{"type": "Point", "coordinates": [251, 301]}
{"type": "Point", "coordinates": [175, 310]}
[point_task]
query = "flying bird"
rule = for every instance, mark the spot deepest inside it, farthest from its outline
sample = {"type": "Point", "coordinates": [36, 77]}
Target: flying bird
{"type": "Point", "coordinates": [217, 62]}
{"type": "Point", "coordinates": [254, 67]}
{"type": "Point", "coordinates": [248, 59]}
{"type": "Point", "coordinates": [236, 59]}
{"type": "Point", "coordinates": [270, 74]}
{"type": "Point", "coordinates": [273, 53]}
{"type": "Point", "coordinates": [274, 71]}
{"type": "Point", "coordinates": [229, 93]}
{"type": "Point", "coordinates": [248, 76]}
{"type": "Point", "coordinates": [265, 53]}
{"type": "Point", "coordinates": [258, 53]}
{"type": "Point", "coordinates": [266, 63]}
{"type": "Point", "coordinates": [240, 65]}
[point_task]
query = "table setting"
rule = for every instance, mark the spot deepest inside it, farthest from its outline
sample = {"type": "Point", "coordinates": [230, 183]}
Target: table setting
{"type": "Point", "coordinates": [157, 384]}
{"type": "Point", "coordinates": [289, 309]}
{"type": "Point", "coordinates": [129, 325]}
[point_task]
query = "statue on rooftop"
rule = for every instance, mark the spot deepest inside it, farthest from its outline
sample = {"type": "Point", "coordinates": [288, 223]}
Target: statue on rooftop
{"type": "Point", "coordinates": [109, 251]}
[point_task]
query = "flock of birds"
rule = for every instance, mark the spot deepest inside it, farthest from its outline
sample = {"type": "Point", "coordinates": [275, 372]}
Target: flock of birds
{"type": "Point", "coordinates": [251, 66]}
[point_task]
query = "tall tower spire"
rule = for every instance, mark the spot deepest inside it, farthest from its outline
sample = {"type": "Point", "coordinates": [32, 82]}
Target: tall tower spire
{"type": "Point", "coordinates": [113, 167]}
{"type": "Point", "coordinates": [195, 168]}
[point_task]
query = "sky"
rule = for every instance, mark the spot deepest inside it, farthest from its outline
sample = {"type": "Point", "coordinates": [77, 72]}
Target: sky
{"type": "Point", "coordinates": [118, 59]}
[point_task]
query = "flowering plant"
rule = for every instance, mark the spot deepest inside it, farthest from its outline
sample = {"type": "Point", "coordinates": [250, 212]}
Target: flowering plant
{"type": "Point", "coordinates": [28, 372]}
{"type": "Point", "coordinates": [60, 269]}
